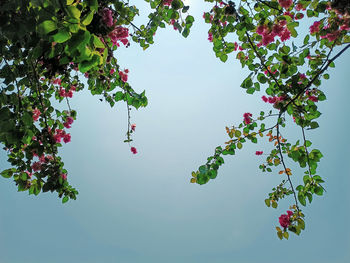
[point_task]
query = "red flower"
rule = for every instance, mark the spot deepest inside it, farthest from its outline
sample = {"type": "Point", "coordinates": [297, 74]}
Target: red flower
{"type": "Point", "coordinates": [63, 176]}
{"type": "Point", "coordinates": [36, 114]}
{"type": "Point", "coordinates": [315, 27]}
{"type": "Point", "coordinates": [285, 3]}
{"type": "Point", "coordinates": [247, 118]}
{"type": "Point", "coordinates": [133, 150]}
{"type": "Point", "coordinates": [259, 152]}
{"type": "Point", "coordinates": [107, 17]}
{"type": "Point", "coordinates": [66, 138]}
{"type": "Point", "coordinates": [284, 219]}
{"type": "Point", "coordinates": [210, 37]}
{"type": "Point", "coordinates": [36, 166]}
{"type": "Point", "coordinates": [133, 127]}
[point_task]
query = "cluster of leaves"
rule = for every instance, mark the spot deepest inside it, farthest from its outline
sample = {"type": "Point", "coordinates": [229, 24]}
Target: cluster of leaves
{"type": "Point", "coordinates": [47, 50]}
{"type": "Point", "coordinates": [291, 73]}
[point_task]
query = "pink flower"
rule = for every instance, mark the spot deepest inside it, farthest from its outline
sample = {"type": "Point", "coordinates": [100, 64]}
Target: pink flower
{"type": "Point", "coordinates": [133, 127]}
{"type": "Point", "coordinates": [112, 71]}
{"type": "Point", "coordinates": [285, 34]}
{"type": "Point", "coordinates": [289, 14]}
{"type": "Point", "coordinates": [167, 2]}
{"type": "Point", "coordinates": [210, 37]}
{"type": "Point", "coordinates": [66, 138]}
{"type": "Point", "coordinates": [259, 152]}
{"type": "Point", "coordinates": [36, 114]}
{"type": "Point", "coordinates": [299, 7]}
{"type": "Point", "coordinates": [69, 94]}
{"type": "Point", "coordinates": [68, 122]}
{"type": "Point", "coordinates": [63, 176]}
{"type": "Point", "coordinates": [42, 158]}
{"type": "Point", "coordinates": [264, 98]}
{"type": "Point", "coordinates": [302, 76]}
{"type": "Point", "coordinates": [62, 92]}
{"type": "Point", "coordinates": [107, 17]}
{"type": "Point", "coordinates": [313, 98]}
{"type": "Point", "coordinates": [261, 29]}
{"type": "Point", "coordinates": [315, 27]}
{"type": "Point", "coordinates": [247, 117]}
{"type": "Point", "coordinates": [284, 219]}
{"type": "Point", "coordinates": [36, 166]}
{"type": "Point", "coordinates": [285, 3]}
{"type": "Point", "coordinates": [124, 75]}
{"type": "Point", "coordinates": [119, 33]}
{"type": "Point", "coordinates": [133, 150]}
{"type": "Point", "coordinates": [57, 82]}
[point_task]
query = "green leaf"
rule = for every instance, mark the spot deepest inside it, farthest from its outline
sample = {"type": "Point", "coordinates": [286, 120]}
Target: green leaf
{"type": "Point", "coordinates": [314, 125]}
{"type": "Point", "coordinates": [61, 36]}
{"type": "Point", "coordinates": [27, 119]}
{"type": "Point", "coordinates": [238, 133]}
{"type": "Point", "coordinates": [239, 145]}
{"type": "Point", "coordinates": [280, 234]}
{"type": "Point", "coordinates": [73, 11]}
{"type": "Point", "coordinates": [274, 204]}
{"type": "Point", "coordinates": [86, 65]}
{"type": "Point", "coordinates": [8, 173]}
{"type": "Point", "coordinates": [203, 169]}
{"type": "Point", "coordinates": [223, 57]}
{"type": "Point", "coordinates": [267, 202]}
{"type": "Point", "coordinates": [97, 42]}
{"type": "Point", "coordinates": [47, 27]}
{"type": "Point", "coordinates": [65, 199]}
{"type": "Point", "coordinates": [88, 18]}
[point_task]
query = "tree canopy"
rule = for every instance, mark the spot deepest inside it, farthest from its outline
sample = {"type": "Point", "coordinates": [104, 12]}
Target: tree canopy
{"type": "Point", "coordinates": [50, 48]}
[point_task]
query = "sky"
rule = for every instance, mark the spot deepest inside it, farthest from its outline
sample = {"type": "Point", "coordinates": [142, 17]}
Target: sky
{"type": "Point", "coordinates": [142, 208]}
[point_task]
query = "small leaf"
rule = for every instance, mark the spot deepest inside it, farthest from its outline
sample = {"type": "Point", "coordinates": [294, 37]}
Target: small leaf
{"type": "Point", "coordinates": [47, 27]}
{"type": "Point", "coordinates": [65, 199]}
{"type": "Point", "coordinates": [61, 36]}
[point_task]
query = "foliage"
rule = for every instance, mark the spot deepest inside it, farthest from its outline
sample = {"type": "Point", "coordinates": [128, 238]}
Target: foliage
{"type": "Point", "coordinates": [46, 46]}
{"type": "Point", "coordinates": [268, 43]}
{"type": "Point", "coordinates": [49, 48]}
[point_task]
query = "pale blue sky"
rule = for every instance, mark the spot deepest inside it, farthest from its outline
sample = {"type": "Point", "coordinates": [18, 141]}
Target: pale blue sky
{"type": "Point", "coordinates": [142, 208]}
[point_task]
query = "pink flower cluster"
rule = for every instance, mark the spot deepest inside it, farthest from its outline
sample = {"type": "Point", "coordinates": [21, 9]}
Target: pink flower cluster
{"type": "Point", "coordinates": [61, 134]}
{"type": "Point", "coordinates": [299, 7]}
{"type": "Point", "coordinates": [268, 34]}
{"type": "Point", "coordinates": [119, 33]}
{"type": "Point", "coordinates": [107, 17]}
{"type": "Point", "coordinates": [311, 97]}
{"type": "Point", "coordinates": [284, 219]}
{"type": "Point", "coordinates": [36, 114]}
{"type": "Point", "coordinates": [259, 152]}
{"type": "Point", "coordinates": [315, 27]}
{"type": "Point", "coordinates": [167, 2]}
{"type": "Point", "coordinates": [63, 176]}
{"type": "Point", "coordinates": [36, 166]}
{"type": "Point", "coordinates": [67, 94]}
{"type": "Point", "coordinates": [133, 150]}
{"type": "Point", "coordinates": [272, 100]}
{"type": "Point", "coordinates": [68, 122]}
{"type": "Point", "coordinates": [210, 37]}
{"type": "Point", "coordinates": [133, 127]}
{"type": "Point", "coordinates": [57, 81]}
{"type": "Point", "coordinates": [124, 75]}
{"type": "Point", "coordinates": [247, 117]}
{"type": "Point", "coordinates": [285, 3]}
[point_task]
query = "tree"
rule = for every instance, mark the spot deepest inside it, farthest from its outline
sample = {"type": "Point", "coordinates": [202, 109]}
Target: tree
{"type": "Point", "coordinates": [49, 47]}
